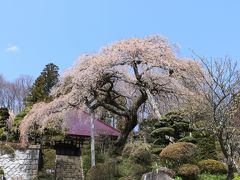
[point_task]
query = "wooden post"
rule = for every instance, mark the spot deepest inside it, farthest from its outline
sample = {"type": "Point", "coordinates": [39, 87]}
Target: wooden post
{"type": "Point", "coordinates": [92, 138]}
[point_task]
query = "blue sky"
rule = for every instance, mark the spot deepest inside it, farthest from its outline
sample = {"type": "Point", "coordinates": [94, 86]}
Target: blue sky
{"type": "Point", "coordinates": [34, 33]}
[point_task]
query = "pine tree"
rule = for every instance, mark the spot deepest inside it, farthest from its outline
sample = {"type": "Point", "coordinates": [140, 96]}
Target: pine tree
{"type": "Point", "coordinates": [50, 75]}
{"type": "Point", "coordinates": [42, 86]}
{"type": "Point", "coordinates": [4, 115]}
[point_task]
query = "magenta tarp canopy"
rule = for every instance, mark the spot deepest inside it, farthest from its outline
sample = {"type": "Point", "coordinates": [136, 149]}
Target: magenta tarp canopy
{"type": "Point", "coordinates": [78, 124]}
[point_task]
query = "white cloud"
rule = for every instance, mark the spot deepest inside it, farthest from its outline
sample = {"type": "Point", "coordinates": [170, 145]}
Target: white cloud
{"type": "Point", "coordinates": [12, 48]}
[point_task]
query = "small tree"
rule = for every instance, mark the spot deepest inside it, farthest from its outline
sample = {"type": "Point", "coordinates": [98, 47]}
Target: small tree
{"type": "Point", "coordinates": [218, 102]}
{"type": "Point", "coordinates": [171, 127]}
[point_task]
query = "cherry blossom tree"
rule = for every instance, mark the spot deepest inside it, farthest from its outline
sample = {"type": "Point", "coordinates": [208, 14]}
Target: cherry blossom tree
{"type": "Point", "coordinates": [120, 78]}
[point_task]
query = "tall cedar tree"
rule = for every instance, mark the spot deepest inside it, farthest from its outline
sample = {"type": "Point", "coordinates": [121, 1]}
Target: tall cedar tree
{"type": "Point", "coordinates": [4, 115]}
{"type": "Point", "coordinates": [42, 86]}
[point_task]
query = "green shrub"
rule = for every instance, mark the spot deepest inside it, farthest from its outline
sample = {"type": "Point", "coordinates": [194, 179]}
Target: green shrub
{"type": "Point", "coordinates": [6, 149]}
{"type": "Point", "coordinates": [139, 152]}
{"type": "Point", "coordinates": [49, 157]}
{"type": "Point", "coordinates": [130, 170]}
{"type": "Point", "coordinates": [86, 157]}
{"type": "Point", "coordinates": [163, 131]}
{"type": "Point", "coordinates": [157, 150]}
{"type": "Point", "coordinates": [188, 139]}
{"type": "Point", "coordinates": [15, 133]}
{"type": "Point", "coordinates": [103, 171]}
{"type": "Point", "coordinates": [188, 171]}
{"type": "Point", "coordinates": [212, 166]}
{"type": "Point", "coordinates": [212, 177]}
{"type": "Point", "coordinates": [206, 146]}
{"type": "Point", "coordinates": [178, 153]}
{"type": "Point", "coordinates": [1, 171]}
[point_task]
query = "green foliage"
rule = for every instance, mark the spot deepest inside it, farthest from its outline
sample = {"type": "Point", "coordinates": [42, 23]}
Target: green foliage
{"type": "Point", "coordinates": [139, 152]}
{"type": "Point", "coordinates": [178, 153]}
{"type": "Point", "coordinates": [188, 139]}
{"type": "Point", "coordinates": [4, 115]}
{"type": "Point", "coordinates": [156, 149]}
{"type": "Point", "coordinates": [102, 171]}
{"type": "Point", "coordinates": [212, 177]}
{"type": "Point", "coordinates": [163, 131]}
{"type": "Point", "coordinates": [34, 134]}
{"type": "Point", "coordinates": [174, 124]}
{"type": "Point", "coordinates": [130, 170]}
{"type": "Point", "coordinates": [6, 149]}
{"type": "Point", "coordinates": [52, 134]}
{"type": "Point", "coordinates": [14, 132]}
{"type": "Point", "coordinates": [48, 165]}
{"type": "Point", "coordinates": [50, 75]}
{"type": "Point", "coordinates": [1, 171]}
{"type": "Point", "coordinates": [41, 87]}
{"type": "Point", "coordinates": [136, 160]}
{"type": "Point", "coordinates": [206, 146]}
{"type": "Point", "coordinates": [212, 166]}
{"type": "Point", "coordinates": [188, 171]}
{"type": "Point", "coordinates": [49, 157]}
{"type": "Point", "coordinates": [86, 157]}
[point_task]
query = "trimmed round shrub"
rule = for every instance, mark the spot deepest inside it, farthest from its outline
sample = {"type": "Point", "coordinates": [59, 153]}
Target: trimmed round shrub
{"type": "Point", "coordinates": [139, 152]}
{"type": "Point", "coordinates": [178, 153]}
{"type": "Point", "coordinates": [212, 166]}
{"type": "Point", "coordinates": [188, 172]}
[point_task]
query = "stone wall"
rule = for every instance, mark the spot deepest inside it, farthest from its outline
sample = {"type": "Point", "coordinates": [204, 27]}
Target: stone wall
{"type": "Point", "coordinates": [23, 166]}
{"type": "Point", "coordinates": [68, 167]}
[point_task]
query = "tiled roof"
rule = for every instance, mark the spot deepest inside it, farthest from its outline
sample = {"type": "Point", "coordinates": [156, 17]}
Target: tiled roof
{"type": "Point", "coordinates": [78, 124]}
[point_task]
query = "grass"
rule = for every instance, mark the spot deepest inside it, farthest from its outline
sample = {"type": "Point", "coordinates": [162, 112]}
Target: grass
{"type": "Point", "coordinates": [212, 177]}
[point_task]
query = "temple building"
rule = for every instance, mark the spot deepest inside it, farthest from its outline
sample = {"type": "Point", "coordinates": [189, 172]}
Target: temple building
{"type": "Point", "coordinates": [68, 151]}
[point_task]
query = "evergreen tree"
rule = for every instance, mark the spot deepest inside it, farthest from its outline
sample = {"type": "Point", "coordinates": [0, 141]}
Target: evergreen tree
{"type": "Point", "coordinates": [42, 86]}
{"type": "Point", "coordinates": [4, 115]}
{"type": "Point", "coordinates": [50, 75]}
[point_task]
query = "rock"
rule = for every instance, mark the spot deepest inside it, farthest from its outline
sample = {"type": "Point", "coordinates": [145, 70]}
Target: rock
{"type": "Point", "coordinates": [162, 173]}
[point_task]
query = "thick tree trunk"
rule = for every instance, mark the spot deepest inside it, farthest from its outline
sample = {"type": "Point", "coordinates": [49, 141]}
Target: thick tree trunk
{"type": "Point", "coordinates": [129, 126]}
{"type": "Point", "coordinates": [92, 138]}
{"type": "Point", "coordinates": [230, 174]}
